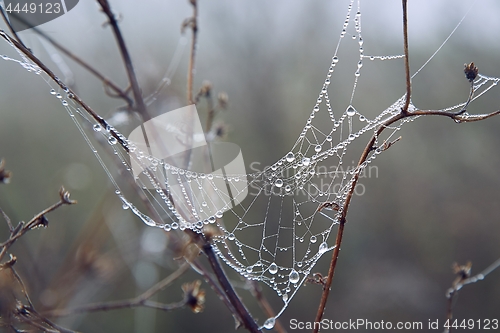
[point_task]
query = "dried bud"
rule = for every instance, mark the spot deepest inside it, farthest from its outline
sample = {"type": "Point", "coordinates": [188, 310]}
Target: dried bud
{"type": "Point", "coordinates": [4, 174]}
{"type": "Point", "coordinates": [220, 130]}
{"type": "Point", "coordinates": [222, 98]}
{"type": "Point", "coordinates": [194, 296]}
{"type": "Point", "coordinates": [470, 71]}
{"type": "Point", "coordinates": [64, 195]}
{"type": "Point", "coordinates": [206, 88]}
{"type": "Point", "coordinates": [462, 271]}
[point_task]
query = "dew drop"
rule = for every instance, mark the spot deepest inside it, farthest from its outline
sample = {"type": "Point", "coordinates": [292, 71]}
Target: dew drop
{"type": "Point", "coordinates": [273, 268]}
{"type": "Point", "coordinates": [218, 214]}
{"type": "Point", "coordinates": [52, 92]}
{"type": "Point", "coordinates": [288, 188]}
{"type": "Point", "coordinates": [306, 161]}
{"type": "Point", "coordinates": [317, 148]}
{"type": "Point", "coordinates": [323, 247]}
{"type": "Point", "coordinates": [278, 183]}
{"type": "Point", "coordinates": [294, 276]}
{"type": "Point", "coordinates": [249, 269]}
{"type": "Point", "coordinates": [329, 138]}
{"type": "Point", "coordinates": [351, 111]}
{"type": "Point", "coordinates": [352, 137]}
{"type": "Point", "coordinates": [285, 297]}
{"type": "Point", "coordinates": [112, 140]}
{"type": "Point", "coordinates": [231, 236]}
{"type": "Point", "coordinates": [167, 227]}
{"type": "Point", "coordinates": [335, 59]}
{"type": "Point", "coordinates": [290, 157]}
{"type": "Point", "coordinates": [269, 323]}
{"type": "Point", "coordinates": [97, 127]}
{"type": "Point", "coordinates": [313, 239]}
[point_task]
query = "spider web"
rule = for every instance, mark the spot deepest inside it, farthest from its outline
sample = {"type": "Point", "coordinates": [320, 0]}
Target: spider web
{"type": "Point", "coordinates": [274, 225]}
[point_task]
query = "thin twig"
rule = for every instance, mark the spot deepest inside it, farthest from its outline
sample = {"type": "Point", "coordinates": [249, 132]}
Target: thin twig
{"type": "Point", "coordinates": [463, 279]}
{"type": "Point", "coordinates": [141, 300]}
{"type": "Point", "coordinates": [108, 84]}
{"type": "Point", "coordinates": [193, 23]}
{"type": "Point", "coordinates": [407, 59]}
{"type": "Point", "coordinates": [37, 221]}
{"type": "Point", "coordinates": [139, 101]}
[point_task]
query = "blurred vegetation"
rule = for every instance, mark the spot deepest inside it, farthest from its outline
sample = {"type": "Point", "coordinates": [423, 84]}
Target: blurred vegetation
{"type": "Point", "coordinates": [432, 203]}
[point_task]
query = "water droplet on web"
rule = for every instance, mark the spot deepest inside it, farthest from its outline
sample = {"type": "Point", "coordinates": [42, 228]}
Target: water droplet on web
{"type": "Point", "coordinates": [317, 148]}
{"type": "Point", "coordinates": [97, 127]}
{"type": "Point", "coordinates": [313, 239]}
{"type": "Point", "coordinates": [323, 247]}
{"type": "Point", "coordinates": [285, 297]}
{"type": "Point", "coordinates": [278, 183]}
{"type": "Point", "coordinates": [290, 157]}
{"type": "Point", "coordinates": [52, 92]}
{"type": "Point", "coordinates": [269, 323]}
{"type": "Point", "coordinates": [288, 188]}
{"type": "Point", "coordinates": [357, 73]}
{"type": "Point", "coordinates": [231, 236]}
{"type": "Point", "coordinates": [112, 140]}
{"type": "Point", "coordinates": [335, 59]}
{"type": "Point", "coordinates": [64, 103]}
{"type": "Point", "coordinates": [294, 276]}
{"type": "Point", "coordinates": [273, 268]}
{"type": "Point", "coordinates": [249, 269]}
{"type": "Point", "coordinates": [306, 161]}
{"type": "Point", "coordinates": [329, 138]}
{"type": "Point", "coordinates": [59, 96]}
{"type": "Point", "coordinates": [352, 137]}
{"type": "Point", "coordinates": [351, 111]}
{"type": "Point", "coordinates": [167, 227]}
{"type": "Point", "coordinates": [362, 118]}
{"type": "Point", "coordinates": [218, 214]}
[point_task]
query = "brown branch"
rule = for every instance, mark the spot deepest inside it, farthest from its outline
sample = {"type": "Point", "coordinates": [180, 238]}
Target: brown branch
{"type": "Point", "coordinates": [370, 147]}
{"type": "Point", "coordinates": [12, 31]}
{"type": "Point", "coordinates": [141, 300]}
{"type": "Point", "coordinates": [193, 23]}
{"type": "Point", "coordinates": [139, 101]}
{"type": "Point", "coordinates": [235, 300]}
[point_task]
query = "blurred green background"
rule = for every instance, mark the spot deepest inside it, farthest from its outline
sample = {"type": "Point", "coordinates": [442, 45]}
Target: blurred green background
{"type": "Point", "coordinates": [433, 202]}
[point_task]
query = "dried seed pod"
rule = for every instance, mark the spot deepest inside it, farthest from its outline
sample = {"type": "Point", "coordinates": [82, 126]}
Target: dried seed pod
{"type": "Point", "coordinates": [470, 71]}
